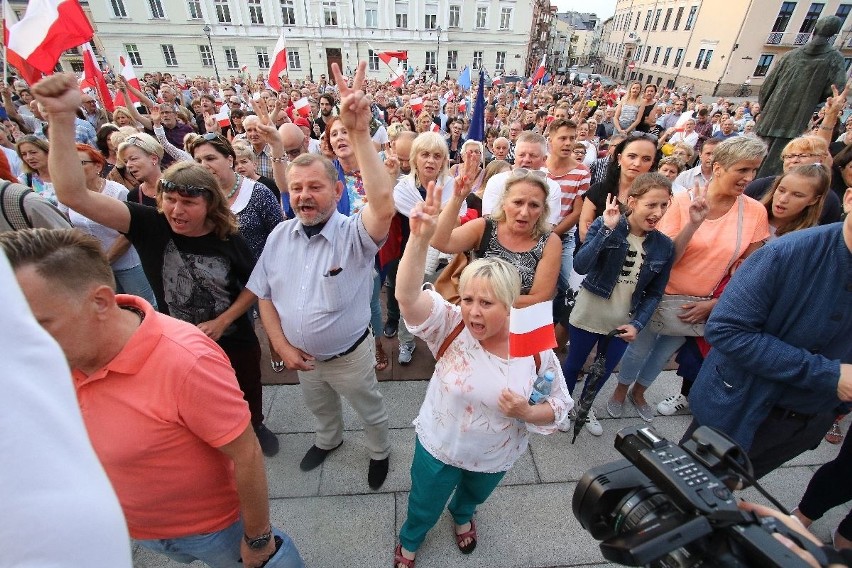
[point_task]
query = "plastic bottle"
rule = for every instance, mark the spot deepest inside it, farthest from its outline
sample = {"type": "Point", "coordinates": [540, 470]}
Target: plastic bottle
{"type": "Point", "coordinates": [541, 388]}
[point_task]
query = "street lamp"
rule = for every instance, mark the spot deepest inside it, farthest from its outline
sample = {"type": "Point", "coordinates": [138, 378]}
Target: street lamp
{"type": "Point", "coordinates": [207, 31]}
{"type": "Point", "coordinates": [438, 58]}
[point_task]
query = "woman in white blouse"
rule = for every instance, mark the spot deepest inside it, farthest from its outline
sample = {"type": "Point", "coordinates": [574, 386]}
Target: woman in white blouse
{"type": "Point", "coordinates": [475, 420]}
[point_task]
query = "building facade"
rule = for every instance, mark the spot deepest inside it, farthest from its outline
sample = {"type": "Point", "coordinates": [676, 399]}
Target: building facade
{"type": "Point", "coordinates": [441, 36]}
{"type": "Point", "coordinates": [720, 48]}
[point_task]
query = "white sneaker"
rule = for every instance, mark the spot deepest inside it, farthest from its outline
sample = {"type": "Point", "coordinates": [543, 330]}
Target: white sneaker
{"type": "Point", "coordinates": [406, 351]}
{"type": "Point", "coordinates": [592, 425]}
{"type": "Point", "coordinates": [672, 404]}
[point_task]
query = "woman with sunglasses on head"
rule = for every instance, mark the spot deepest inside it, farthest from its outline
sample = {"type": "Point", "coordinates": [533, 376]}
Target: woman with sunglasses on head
{"type": "Point", "coordinates": [189, 245]}
{"type": "Point", "coordinates": [142, 155]}
{"type": "Point", "coordinates": [631, 158]}
{"type": "Point", "coordinates": [33, 152]}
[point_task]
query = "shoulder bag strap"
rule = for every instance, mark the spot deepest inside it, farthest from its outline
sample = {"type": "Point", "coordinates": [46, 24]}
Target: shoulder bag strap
{"type": "Point", "coordinates": [736, 255]}
{"type": "Point", "coordinates": [448, 340]}
{"type": "Point", "coordinates": [485, 240]}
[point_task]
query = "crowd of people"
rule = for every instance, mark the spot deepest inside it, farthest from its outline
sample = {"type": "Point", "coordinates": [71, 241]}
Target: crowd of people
{"type": "Point", "coordinates": [633, 209]}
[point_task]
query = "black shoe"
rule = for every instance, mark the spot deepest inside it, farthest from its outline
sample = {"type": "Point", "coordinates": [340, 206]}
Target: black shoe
{"type": "Point", "coordinates": [378, 473]}
{"type": "Point", "coordinates": [391, 327]}
{"type": "Point", "coordinates": [315, 456]}
{"type": "Point", "coordinates": [268, 441]}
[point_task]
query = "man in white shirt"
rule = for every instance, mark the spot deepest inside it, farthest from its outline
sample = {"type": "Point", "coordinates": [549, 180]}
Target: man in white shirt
{"type": "Point", "coordinates": [701, 173]}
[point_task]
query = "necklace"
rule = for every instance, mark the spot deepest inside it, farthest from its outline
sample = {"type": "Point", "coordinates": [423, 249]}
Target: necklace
{"type": "Point", "coordinates": [237, 183]}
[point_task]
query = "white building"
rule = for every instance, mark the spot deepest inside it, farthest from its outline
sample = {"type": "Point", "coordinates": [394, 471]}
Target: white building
{"type": "Point", "coordinates": [168, 35]}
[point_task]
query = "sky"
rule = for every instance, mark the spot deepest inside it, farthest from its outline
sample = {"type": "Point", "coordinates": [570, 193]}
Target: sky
{"type": "Point", "coordinates": [603, 8]}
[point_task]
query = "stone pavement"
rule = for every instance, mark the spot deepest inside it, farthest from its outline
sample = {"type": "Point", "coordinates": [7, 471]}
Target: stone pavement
{"type": "Point", "coordinates": [337, 521]}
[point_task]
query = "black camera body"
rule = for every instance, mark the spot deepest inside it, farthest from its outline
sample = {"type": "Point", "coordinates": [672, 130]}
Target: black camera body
{"type": "Point", "coordinates": [672, 506]}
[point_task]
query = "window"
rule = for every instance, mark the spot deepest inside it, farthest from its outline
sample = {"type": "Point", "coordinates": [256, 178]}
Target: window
{"type": "Point", "coordinates": [329, 11]}
{"type": "Point", "coordinates": [678, 57]}
{"type": "Point", "coordinates": [677, 18]}
{"type": "Point", "coordinates": [402, 15]}
{"type": "Point", "coordinates": [156, 7]}
{"type": "Point", "coordinates": [206, 55]}
{"type": "Point", "coordinates": [118, 9]}
{"type": "Point", "coordinates": [255, 12]}
{"type": "Point", "coordinates": [843, 11]}
{"type": "Point", "coordinates": [262, 57]}
{"type": "Point", "coordinates": [784, 15]}
{"type": "Point", "coordinates": [629, 19]}
{"type": "Point", "coordinates": [647, 20]}
{"type": "Point", "coordinates": [690, 19]}
{"type": "Point", "coordinates": [647, 53]}
{"type": "Point", "coordinates": [481, 17]}
{"type": "Point", "coordinates": [133, 54]}
{"type": "Point", "coordinates": [668, 17]}
{"type": "Point", "coordinates": [452, 60]}
{"type": "Point", "coordinates": [293, 60]}
{"type": "Point", "coordinates": [371, 16]}
{"type": "Point", "coordinates": [194, 8]}
{"type": "Point", "coordinates": [847, 61]}
{"type": "Point", "coordinates": [500, 63]}
{"type": "Point", "coordinates": [288, 13]}
{"type": "Point", "coordinates": [763, 64]}
{"type": "Point", "coordinates": [431, 60]}
{"type": "Point", "coordinates": [169, 55]}
{"type": "Point", "coordinates": [811, 18]}
{"type": "Point", "coordinates": [700, 58]}
{"type": "Point", "coordinates": [666, 56]}
{"type": "Point", "coordinates": [636, 23]}
{"type": "Point", "coordinates": [455, 16]}
{"type": "Point", "coordinates": [656, 19]}
{"type": "Point", "coordinates": [656, 55]}
{"type": "Point", "coordinates": [223, 11]}
{"type": "Point", "coordinates": [231, 58]}
{"type": "Point", "coordinates": [477, 59]}
{"type": "Point", "coordinates": [372, 60]}
{"type": "Point", "coordinates": [707, 58]}
{"type": "Point", "coordinates": [505, 18]}
{"type": "Point", "coordinates": [430, 22]}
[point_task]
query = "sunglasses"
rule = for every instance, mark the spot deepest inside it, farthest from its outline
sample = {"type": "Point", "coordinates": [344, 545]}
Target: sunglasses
{"type": "Point", "coordinates": [183, 190]}
{"type": "Point", "coordinates": [211, 136]}
{"type": "Point", "coordinates": [642, 136]}
{"type": "Point", "coordinates": [520, 173]}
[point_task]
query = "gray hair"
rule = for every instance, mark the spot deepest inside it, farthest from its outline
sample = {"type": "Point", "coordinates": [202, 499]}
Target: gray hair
{"type": "Point", "coordinates": [530, 137]}
{"type": "Point", "coordinates": [737, 149]}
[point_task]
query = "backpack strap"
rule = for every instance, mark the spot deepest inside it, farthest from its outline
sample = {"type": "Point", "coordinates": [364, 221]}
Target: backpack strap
{"type": "Point", "coordinates": [455, 333]}
{"type": "Point", "coordinates": [12, 205]}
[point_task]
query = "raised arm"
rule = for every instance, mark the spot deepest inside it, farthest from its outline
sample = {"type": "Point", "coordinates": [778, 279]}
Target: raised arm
{"type": "Point", "coordinates": [448, 236]}
{"type": "Point", "coordinates": [414, 303]}
{"type": "Point", "coordinates": [160, 132]}
{"type": "Point", "coordinates": [355, 114]}
{"type": "Point", "coordinates": [834, 107]}
{"type": "Point", "coordinates": [60, 97]}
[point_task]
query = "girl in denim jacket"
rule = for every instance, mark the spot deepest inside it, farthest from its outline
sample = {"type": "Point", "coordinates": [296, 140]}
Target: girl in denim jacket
{"type": "Point", "coordinates": [627, 262]}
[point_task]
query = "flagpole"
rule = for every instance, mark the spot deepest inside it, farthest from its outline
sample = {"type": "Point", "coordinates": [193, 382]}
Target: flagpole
{"type": "Point", "coordinates": [6, 48]}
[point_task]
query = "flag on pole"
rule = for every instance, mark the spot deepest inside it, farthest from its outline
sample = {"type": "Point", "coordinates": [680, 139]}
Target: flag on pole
{"type": "Point", "coordinates": [463, 105]}
{"type": "Point", "coordinates": [531, 330]}
{"type": "Point", "coordinates": [126, 71]}
{"type": "Point", "coordinates": [29, 73]}
{"type": "Point", "coordinates": [476, 131]}
{"type": "Point", "coordinates": [386, 56]}
{"type": "Point", "coordinates": [48, 28]}
{"type": "Point", "coordinates": [279, 63]}
{"type": "Point", "coordinates": [416, 104]}
{"type": "Point", "coordinates": [435, 128]}
{"type": "Point", "coordinates": [539, 73]}
{"type": "Point", "coordinates": [400, 76]}
{"type": "Point", "coordinates": [223, 118]}
{"type": "Point", "coordinates": [303, 107]}
{"type": "Point", "coordinates": [93, 77]}
{"type": "Point", "coordinates": [464, 78]}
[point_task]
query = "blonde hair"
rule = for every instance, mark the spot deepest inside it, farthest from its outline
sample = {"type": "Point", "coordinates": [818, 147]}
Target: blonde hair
{"type": "Point", "coordinates": [429, 142]}
{"type": "Point", "coordinates": [218, 211]}
{"type": "Point", "coordinates": [502, 278]}
{"type": "Point", "coordinates": [243, 149]}
{"type": "Point", "coordinates": [144, 142]}
{"type": "Point", "coordinates": [542, 224]}
{"type": "Point", "coordinates": [120, 110]}
{"type": "Point", "coordinates": [809, 144]}
{"type": "Point", "coordinates": [820, 177]}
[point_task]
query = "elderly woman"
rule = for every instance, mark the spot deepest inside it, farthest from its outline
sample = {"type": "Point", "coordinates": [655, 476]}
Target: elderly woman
{"type": "Point", "coordinates": [472, 151]}
{"type": "Point", "coordinates": [475, 420]}
{"type": "Point", "coordinates": [713, 230]}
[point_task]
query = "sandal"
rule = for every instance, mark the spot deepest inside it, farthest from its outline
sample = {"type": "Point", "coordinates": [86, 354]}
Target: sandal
{"type": "Point", "coordinates": [470, 534]}
{"type": "Point", "coordinates": [381, 358]}
{"type": "Point", "coordinates": [277, 366]}
{"type": "Point", "coordinates": [399, 559]}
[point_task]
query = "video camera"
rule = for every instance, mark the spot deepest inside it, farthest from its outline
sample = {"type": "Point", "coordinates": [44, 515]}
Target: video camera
{"type": "Point", "coordinates": [672, 506]}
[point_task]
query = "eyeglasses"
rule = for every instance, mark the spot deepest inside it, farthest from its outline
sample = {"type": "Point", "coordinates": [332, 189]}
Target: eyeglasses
{"type": "Point", "coordinates": [798, 156]}
{"type": "Point", "coordinates": [183, 190]}
{"type": "Point", "coordinates": [84, 162]}
{"type": "Point", "coordinates": [294, 153]}
{"type": "Point", "coordinates": [520, 173]}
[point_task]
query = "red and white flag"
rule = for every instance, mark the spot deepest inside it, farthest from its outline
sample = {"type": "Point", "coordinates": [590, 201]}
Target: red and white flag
{"type": "Point", "coordinates": [303, 107]}
{"type": "Point", "coordinates": [416, 104]}
{"type": "Point", "coordinates": [386, 56]}
{"type": "Point", "coordinates": [29, 73]}
{"type": "Point", "coordinates": [49, 28]}
{"type": "Point", "coordinates": [531, 330]}
{"type": "Point", "coordinates": [126, 71]}
{"type": "Point", "coordinates": [435, 128]}
{"type": "Point", "coordinates": [498, 80]}
{"type": "Point", "coordinates": [279, 63]}
{"type": "Point", "coordinates": [539, 73]}
{"type": "Point", "coordinates": [93, 77]}
{"type": "Point", "coordinates": [223, 118]}
{"type": "Point", "coordinates": [463, 105]}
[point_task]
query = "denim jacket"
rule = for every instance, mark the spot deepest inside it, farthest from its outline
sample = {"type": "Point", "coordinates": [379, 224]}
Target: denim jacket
{"type": "Point", "coordinates": [602, 256]}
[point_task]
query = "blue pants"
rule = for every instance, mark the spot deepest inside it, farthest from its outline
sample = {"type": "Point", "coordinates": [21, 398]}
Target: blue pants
{"type": "Point", "coordinates": [646, 357]}
{"type": "Point", "coordinates": [582, 342]}
{"type": "Point", "coordinates": [432, 483]}
{"type": "Point", "coordinates": [133, 281]}
{"type": "Point", "coordinates": [221, 549]}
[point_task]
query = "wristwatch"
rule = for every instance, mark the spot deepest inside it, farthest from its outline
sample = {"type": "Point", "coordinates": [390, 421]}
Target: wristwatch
{"type": "Point", "coordinates": [258, 542]}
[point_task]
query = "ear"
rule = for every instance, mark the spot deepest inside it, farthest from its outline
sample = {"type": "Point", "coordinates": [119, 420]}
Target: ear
{"type": "Point", "coordinates": [103, 298]}
{"type": "Point", "coordinates": [847, 201]}
{"type": "Point", "coordinates": [338, 190]}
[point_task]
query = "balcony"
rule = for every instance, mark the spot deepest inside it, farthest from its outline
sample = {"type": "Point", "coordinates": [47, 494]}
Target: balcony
{"type": "Point", "coordinates": [789, 39]}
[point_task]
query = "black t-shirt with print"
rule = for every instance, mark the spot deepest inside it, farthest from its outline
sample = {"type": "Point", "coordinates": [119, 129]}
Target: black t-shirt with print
{"type": "Point", "coordinates": [194, 279]}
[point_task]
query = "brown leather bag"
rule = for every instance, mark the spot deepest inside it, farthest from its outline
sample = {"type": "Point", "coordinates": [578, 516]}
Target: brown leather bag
{"type": "Point", "coordinates": [447, 283]}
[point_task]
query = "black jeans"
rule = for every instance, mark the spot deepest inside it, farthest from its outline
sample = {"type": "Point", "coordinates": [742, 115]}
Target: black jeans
{"type": "Point", "coordinates": [245, 359]}
{"type": "Point", "coordinates": [829, 487]}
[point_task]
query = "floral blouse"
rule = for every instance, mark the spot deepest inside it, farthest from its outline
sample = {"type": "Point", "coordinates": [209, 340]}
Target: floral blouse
{"type": "Point", "coordinates": [459, 422]}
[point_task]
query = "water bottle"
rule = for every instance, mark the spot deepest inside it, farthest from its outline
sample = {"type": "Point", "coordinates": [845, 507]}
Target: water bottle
{"type": "Point", "coordinates": [541, 388]}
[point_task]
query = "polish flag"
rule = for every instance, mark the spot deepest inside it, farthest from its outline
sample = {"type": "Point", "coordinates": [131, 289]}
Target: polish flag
{"type": "Point", "coordinates": [279, 63]}
{"type": "Point", "coordinates": [223, 119]}
{"type": "Point", "coordinates": [29, 73]}
{"type": "Point", "coordinates": [531, 330]}
{"type": "Point", "coordinates": [416, 104]}
{"type": "Point", "coordinates": [386, 56]}
{"type": "Point", "coordinates": [498, 80]}
{"type": "Point", "coordinates": [539, 73]}
{"type": "Point", "coordinates": [49, 28]}
{"type": "Point", "coordinates": [463, 105]}
{"type": "Point", "coordinates": [244, 69]}
{"type": "Point", "coordinates": [449, 95]}
{"type": "Point", "coordinates": [435, 128]}
{"type": "Point", "coordinates": [93, 77]}
{"type": "Point", "coordinates": [303, 107]}
{"type": "Point", "coordinates": [126, 71]}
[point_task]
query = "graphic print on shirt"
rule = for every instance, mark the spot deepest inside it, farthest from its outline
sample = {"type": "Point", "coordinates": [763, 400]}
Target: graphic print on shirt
{"type": "Point", "coordinates": [632, 263]}
{"type": "Point", "coordinates": [195, 286]}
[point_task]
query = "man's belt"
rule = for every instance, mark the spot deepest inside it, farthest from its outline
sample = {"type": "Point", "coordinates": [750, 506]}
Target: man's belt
{"type": "Point", "coordinates": [351, 349]}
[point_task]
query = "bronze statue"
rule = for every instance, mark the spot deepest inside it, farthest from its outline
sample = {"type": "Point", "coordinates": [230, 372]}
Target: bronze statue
{"type": "Point", "coordinates": [800, 80]}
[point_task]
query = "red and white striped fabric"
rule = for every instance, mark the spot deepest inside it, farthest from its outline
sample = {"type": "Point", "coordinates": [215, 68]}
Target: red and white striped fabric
{"type": "Point", "coordinates": [416, 104]}
{"type": "Point", "coordinates": [386, 56]}
{"type": "Point", "coordinates": [93, 77]}
{"type": "Point", "coordinates": [462, 105]}
{"type": "Point", "coordinates": [223, 118]}
{"type": "Point", "coordinates": [435, 128]}
{"type": "Point", "coordinates": [531, 330]}
{"type": "Point", "coordinates": [279, 63]}
{"type": "Point", "coordinates": [29, 73]}
{"type": "Point", "coordinates": [49, 28]}
{"type": "Point", "coordinates": [126, 70]}
{"type": "Point", "coordinates": [303, 107]}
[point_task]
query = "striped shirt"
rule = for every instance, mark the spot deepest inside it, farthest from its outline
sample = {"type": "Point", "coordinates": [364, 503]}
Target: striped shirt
{"type": "Point", "coordinates": [573, 184]}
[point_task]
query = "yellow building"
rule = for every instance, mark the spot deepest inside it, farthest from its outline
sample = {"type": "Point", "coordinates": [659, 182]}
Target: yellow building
{"type": "Point", "coordinates": [723, 47]}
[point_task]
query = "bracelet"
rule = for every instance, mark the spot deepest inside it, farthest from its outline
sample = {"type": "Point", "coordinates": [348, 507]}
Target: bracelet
{"type": "Point", "coordinates": [279, 159]}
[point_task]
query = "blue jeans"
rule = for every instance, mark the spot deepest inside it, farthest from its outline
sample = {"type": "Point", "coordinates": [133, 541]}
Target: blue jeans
{"type": "Point", "coordinates": [646, 357]}
{"type": "Point", "coordinates": [582, 342]}
{"type": "Point", "coordinates": [568, 244]}
{"type": "Point", "coordinates": [133, 281]}
{"type": "Point", "coordinates": [222, 549]}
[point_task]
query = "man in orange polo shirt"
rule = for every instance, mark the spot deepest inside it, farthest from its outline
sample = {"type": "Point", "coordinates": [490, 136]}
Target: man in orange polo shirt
{"type": "Point", "coordinates": [161, 405]}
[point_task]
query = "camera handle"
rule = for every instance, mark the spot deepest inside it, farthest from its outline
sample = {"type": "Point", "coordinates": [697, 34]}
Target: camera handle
{"type": "Point", "coordinates": [756, 537]}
